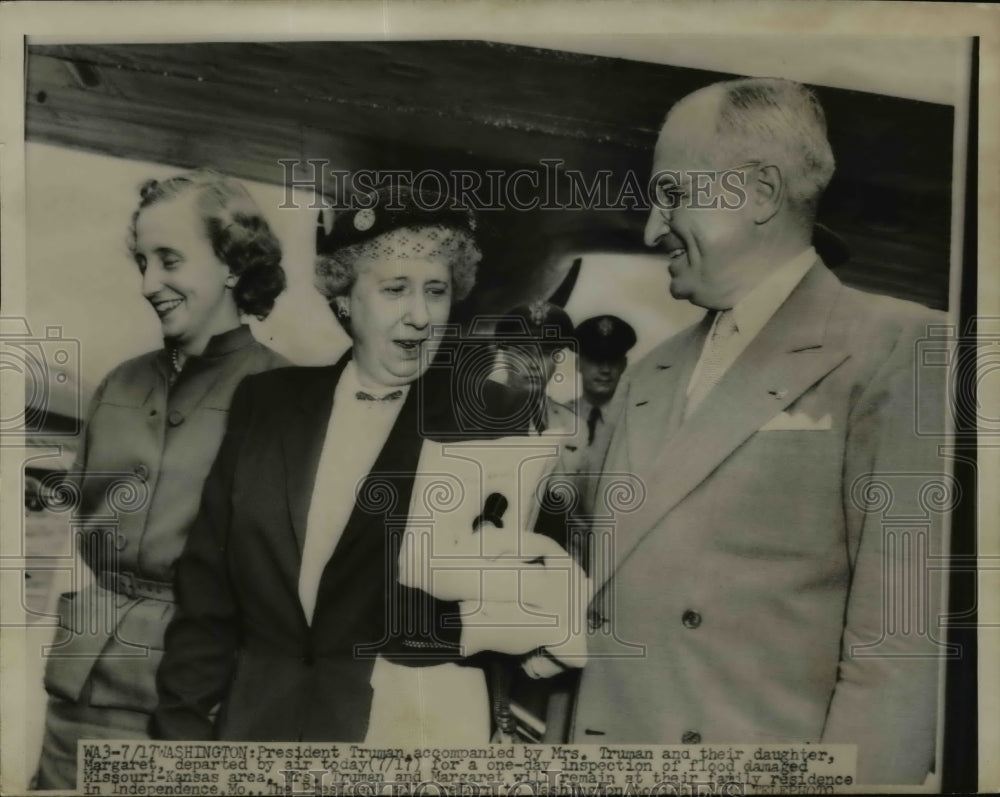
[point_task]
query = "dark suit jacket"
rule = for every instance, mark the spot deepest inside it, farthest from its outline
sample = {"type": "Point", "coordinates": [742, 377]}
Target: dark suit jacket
{"type": "Point", "coordinates": [769, 583]}
{"type": "Point", "coordinates": [240, 635]}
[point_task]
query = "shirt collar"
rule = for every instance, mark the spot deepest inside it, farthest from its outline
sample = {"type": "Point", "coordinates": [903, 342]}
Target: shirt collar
{"type": "Point", "coordinates": [755, 309]}
{"type": "Point", "coordinates": [350, 385]}
{"type": "Point", "coordinates": [584, 407]}
{"type": "Point", "coordinates": [226, 342]}
{"type": "Point", "coordinates": [218, 346]}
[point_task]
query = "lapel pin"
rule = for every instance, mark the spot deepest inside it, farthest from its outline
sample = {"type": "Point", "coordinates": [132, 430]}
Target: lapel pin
{"type": "Point", "coordinates": [778, 394]}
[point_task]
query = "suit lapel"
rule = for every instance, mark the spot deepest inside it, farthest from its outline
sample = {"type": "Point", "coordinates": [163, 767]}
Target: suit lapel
{"type": "Point", "coordinates": [786, 358]}
{"type": "Point", "coordinates": [655, 407]}
{"type": "Point", "coordinates": [649, 412]}
{"type": "Point", "coordinates": [302, 444]}
{"type": "Point", "coordinates": [393, 471]}
{"type": "Point", "coordinates": [366, 553]}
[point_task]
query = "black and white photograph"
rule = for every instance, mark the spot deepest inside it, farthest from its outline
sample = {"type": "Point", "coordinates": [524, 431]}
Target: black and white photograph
{"type": "Point", "coordinates": [478, 406]}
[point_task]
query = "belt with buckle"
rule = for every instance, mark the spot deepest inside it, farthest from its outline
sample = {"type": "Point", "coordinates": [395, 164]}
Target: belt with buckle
{"type": "Point", "coordinates": [128, 584]}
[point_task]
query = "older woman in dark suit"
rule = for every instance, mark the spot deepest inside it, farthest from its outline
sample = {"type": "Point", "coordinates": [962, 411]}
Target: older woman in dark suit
{"type": "Point", "coordinates": [205, 256]}
{"type": "Point", "coordinates": [288, 586]}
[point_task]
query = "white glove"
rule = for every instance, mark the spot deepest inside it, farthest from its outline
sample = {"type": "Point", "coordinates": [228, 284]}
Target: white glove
{"type": "Point", "coordinates": [539, 666]}
{"type": "Point", "coordinates": [531, 605]}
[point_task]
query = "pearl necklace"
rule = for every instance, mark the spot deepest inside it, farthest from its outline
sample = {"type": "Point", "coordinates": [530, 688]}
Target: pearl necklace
{"type": "Point", "coordinates": [175, 359]}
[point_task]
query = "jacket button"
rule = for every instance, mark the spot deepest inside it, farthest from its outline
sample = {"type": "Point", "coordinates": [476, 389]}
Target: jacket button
{"type": "Point", "coordinates": [595, 620]}
{"type": "Point", "coordinates": [691, 619]}
{"type": "Point", "coordinates": [175, 418]}
{"type": "Point", "coordinates": [691, 737]}
{"type": "Point", "coordinates": [141, 471]}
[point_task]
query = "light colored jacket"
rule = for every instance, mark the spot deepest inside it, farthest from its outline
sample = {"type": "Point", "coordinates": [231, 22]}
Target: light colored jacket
{"type": "Point", "coordinates": [145, 457]}
{"type": "Point", "coordinates": [741, 584]}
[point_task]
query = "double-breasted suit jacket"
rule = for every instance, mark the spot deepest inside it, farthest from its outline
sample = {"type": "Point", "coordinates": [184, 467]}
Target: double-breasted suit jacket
{"type": "Point", "coordinates": [758, 589]}
{"type": "Point", "coordinates": [241, 637]}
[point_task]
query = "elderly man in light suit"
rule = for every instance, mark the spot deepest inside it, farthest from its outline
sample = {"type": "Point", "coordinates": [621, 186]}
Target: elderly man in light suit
{"type": "Point", "coordinates": [752, 591]}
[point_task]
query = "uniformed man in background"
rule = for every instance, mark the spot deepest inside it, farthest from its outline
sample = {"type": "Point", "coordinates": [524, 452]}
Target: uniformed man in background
{"type": "Point", "coordinates": [603, 343]}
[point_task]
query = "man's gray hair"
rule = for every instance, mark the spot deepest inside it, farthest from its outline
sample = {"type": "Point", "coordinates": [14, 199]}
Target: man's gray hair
{"type": "Point", "coordinates": [779, 122]}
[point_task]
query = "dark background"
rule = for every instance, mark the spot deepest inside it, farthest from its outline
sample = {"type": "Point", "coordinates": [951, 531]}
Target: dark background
{"type": "Point", "coordinates": [242, 107]}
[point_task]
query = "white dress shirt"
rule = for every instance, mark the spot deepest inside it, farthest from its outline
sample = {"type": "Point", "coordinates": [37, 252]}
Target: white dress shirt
{"type": "Point", "coordinates": [445, 704]}
{"type": "Point", "coordinates": [754, 310]}
{"type": "Point", "coordinates": [583, 408]}
{"type": "Point", "coordinates": [355, 434]}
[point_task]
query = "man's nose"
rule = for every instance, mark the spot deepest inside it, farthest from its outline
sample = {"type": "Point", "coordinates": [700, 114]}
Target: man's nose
{"type": "Point", "coordinates": [657, 226]}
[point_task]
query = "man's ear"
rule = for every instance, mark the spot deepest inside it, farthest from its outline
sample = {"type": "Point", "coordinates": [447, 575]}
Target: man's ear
{"type": "Point", "coordinates": [767, 193]}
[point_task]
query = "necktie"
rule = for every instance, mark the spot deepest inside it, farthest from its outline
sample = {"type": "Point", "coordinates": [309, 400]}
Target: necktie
{"type": "Point", "coordinates": [711, 370]}
{"type": "Point", "coordinates": [540, 418]}
{"type": "Point", "coordinates": [362, 396]}
{"type": "Point", "coordinates": [592, 419]}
